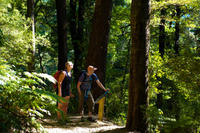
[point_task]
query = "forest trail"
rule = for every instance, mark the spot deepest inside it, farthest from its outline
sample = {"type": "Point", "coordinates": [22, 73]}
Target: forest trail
{"type": "Point", "coordinates": [76, 126]}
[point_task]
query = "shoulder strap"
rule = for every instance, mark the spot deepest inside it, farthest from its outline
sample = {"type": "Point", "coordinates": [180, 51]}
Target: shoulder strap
{"type": "Point", "coordinates": [84, 74]}
{"type": "Point", "coordinates": [65, 72]}
{"type": "Point", "coordinates": [93, 77]}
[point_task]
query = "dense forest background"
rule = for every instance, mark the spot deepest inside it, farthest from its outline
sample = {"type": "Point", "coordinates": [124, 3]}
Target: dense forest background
{"type": "Point", "coordinates": [38, 36]}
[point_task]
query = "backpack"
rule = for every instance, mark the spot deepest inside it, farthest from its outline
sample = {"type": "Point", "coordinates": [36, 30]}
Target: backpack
{"type": "Point", "coordinates": [56, 76]}
{"type": "Point", "coordinates": [85, 75]}
{"type": "Point", "coordinates": [84, 72]}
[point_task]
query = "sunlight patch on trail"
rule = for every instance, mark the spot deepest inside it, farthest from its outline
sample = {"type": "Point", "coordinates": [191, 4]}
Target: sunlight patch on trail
{"type": "Point", "coordinates": [90, 128]}
{"type": "Point", "coordinates": [82, 129]}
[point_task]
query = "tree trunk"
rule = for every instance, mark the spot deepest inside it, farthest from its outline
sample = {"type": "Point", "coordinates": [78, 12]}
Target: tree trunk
{"type": "Point", "coordinates": [97, 50]}
{"type": "Point", "coordinates": [30, 14]}
{"type": "Point", "coordinates": [62, 33]}
{"type": "Point", "coordinates": [79, 51]}
{"type": "Point", "coordinates": [77, 34]}
{"type": "Point", "coordinates": [40, 60]}
{"type": "Point", "coordinates": [168, 38]}
{"type": "Point", "coordinates": [175, 95]}
{"type": "Point", "coordinates": [177, 30]}
{"type": "Point", "coordinates": [30, 8]}
{"type": "Point", "coordinates": [161, 51]}
{"type": "Point", "coordinates": [138, 84]}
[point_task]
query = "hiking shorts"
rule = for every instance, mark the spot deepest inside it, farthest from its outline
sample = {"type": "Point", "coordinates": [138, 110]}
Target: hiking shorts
{"type": "Point", "coordinates": [89, 101]}
{"type": "Point", "coordinates": [65, 92]}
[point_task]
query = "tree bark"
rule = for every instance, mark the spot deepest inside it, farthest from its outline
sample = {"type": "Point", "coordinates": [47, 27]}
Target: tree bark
{"type": "Point", "coordinates": [62, 33]}
{"type": "Point", "coordinates": [175, 95]}
{"type": "Point", "coordinates": [177, 30]}
{"type": "Point", "coordinates": [79, 51]}
{"type": "Point", "coordinates": [162, 38]}
{"type": "Point", "coordinates": [76, 30]}
{"type": "Point", "coordinates": [97, 50]}
{"type": "Point", "coordinates": [162, 33]}
{"type": "Point", "coordinates": [30, 14]}
{"type": "Point", "coordinates": [138, 84]}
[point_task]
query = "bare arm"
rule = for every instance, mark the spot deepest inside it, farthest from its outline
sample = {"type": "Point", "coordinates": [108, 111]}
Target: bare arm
{"type": "Point", "coordinates": [100, 85]}
{"type": "Point", "coordinates": [60, 79]}
{"type": "Point", "coordinates": [78, 87]}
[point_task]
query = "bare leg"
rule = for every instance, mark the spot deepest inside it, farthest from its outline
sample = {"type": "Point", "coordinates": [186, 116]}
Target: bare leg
{"type": "Point", "coordinates": [89, 114]}
{"type": "Point", "coordinates": [90, 103]}
{"type": "Point", "coordinates": [65, 105]}
{"type": "Point", "coordinates": [81, 102]}
{"type": "Point", "coordinates": [58, 112]}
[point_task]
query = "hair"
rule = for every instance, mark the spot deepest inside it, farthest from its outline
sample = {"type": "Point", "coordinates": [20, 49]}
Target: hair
{"type": "Point", "coordinates": [68, 63]}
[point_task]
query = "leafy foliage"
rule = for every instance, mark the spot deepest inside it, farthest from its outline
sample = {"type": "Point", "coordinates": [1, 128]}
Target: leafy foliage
{"type": "Point", "coordinates": [23, 99]}
{"type": "Point", "coordinates": [117, 72]}
{"type": "Point", "coordinates": [15, 36]}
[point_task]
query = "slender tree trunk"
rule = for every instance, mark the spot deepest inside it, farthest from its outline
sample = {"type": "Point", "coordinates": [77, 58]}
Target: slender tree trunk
{"type": "Point", "coordinates": [162, 38]}
{"type": "Point", "coordinates": [159, 101]}
{"type": "Point", "coordinates": [30, 7]}
{"type": "Point", "coordinates": [168, 38]}
{"type": "Point", "coordinates": [62, 33]}
{"type": "Point", "coordinates": [97, 50]}
{"type": "Point", "coordinates": [79, 51]}
{"type": "Point", "coordinates": [40, 60]}
{"type": "Point", "coordinates": [175, 95]}
{"type": "Point", "coordinates": [138, 84]}
{"type": "Point", "coordinates": [30, 14]}
{"type": "Point", "coordinates": [177, 30]}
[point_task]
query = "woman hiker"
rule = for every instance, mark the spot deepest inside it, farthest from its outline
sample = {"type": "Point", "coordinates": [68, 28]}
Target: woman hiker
{"type": "Point", "coordinates": [64, 88]}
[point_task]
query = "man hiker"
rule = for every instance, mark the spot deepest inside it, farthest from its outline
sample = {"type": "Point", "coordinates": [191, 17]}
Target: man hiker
{"type": "Point", "coordinates": [84, 87]}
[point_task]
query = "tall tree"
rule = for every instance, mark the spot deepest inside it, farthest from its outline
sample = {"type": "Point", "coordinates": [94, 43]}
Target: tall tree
{"type": "Point", "coordinates": [175, 95]}
{"type": "Point", "coordinates": [97, 50]}
{"type": "Point", "coordinates": [162, 38]}
{"type": "Point", "coordinates": [62, 33]}
{"type": "Point", "coordinates": [138, 84]}
{"type": "Point", "coordinates": [177, 29]}
{"type": "Point", "coordinates": [30, 14]}
{"type": "Point", "coordinates": [77, 33]}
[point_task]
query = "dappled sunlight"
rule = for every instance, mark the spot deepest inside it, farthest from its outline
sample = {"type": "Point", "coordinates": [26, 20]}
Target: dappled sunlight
{"type": "Point", "coordinates": [75, 126]}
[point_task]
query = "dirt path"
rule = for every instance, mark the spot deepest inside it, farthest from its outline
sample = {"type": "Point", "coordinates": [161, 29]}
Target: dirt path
{"type": "Point", "coordinates": [76, 126]}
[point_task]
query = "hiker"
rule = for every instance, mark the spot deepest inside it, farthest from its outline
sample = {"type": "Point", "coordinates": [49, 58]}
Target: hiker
{"type": "Point", "coordinates": [84, 86]}
{"type": "Point", "coordinates": [64, 88]}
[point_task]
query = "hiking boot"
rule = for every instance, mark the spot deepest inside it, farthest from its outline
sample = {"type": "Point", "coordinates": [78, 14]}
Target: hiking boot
{"type": "Point", "coordinates": [68, 120]}
{"type": "Point", "coordinates": [91, 119]}
{"type": "Point", "coordinates": [61, 122]}
{"type": "Point", "coordinates": [82, 119]}
{"type": "Point", "coordinates": [64, 121]}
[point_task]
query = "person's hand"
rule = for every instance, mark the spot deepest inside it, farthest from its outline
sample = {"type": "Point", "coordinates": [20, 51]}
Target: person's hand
{"type": "Point", "coordinates": [107, 89]}
{"type": "Point", "coordinates": [79, 93]}
{"type": "Point", "coordinates": [61, 101]}
{"type": "Point", "coordinates": [71, 95]}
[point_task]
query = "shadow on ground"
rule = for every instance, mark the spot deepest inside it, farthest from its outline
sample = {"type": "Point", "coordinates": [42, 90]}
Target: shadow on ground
{"type": "Point", "coordinates": [118, 130]}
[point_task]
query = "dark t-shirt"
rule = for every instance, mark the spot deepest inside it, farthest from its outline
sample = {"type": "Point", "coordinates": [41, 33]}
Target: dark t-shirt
{"type": "Point", "coordinates": [86, 81]}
